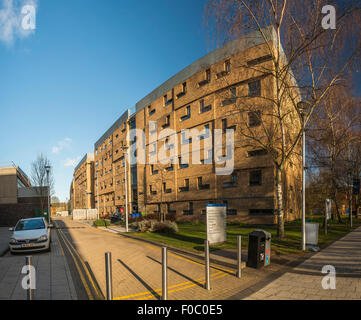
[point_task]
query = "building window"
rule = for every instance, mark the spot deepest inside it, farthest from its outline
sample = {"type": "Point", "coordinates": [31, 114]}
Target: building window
{"type": "Point", "coordinates": [165, 190]}
{"type": "Point", "coordinates": [255, 178]}
{"type": "Point", "coordinates": [259, 60]}
{"type": "Point", "coordinates": [254, 88]}
{"type": "Point", "coordinates": [256, 153]}
{"type": "Point", "coordinates": [206, 135]}
{"type": "Point", "coordinates": [202, 186]}
{"type": "Point", "coordinates": [261, 212]}
{"type": "Point", "coordinates": [231, 183]}
{"type": "Point", "coordinates": [207, 78]}
{"type": "Point", "coordinates": [182, 165]}
{"type": "Point", "coordinates": [232, 97]}
{"type": "Point", "coordinates": [184, 90]}
{"type": "Point", "coordinates": [150, 110]}
{"type": "Point", "coordinates": [254, 118]}
{"type": "Point", "coordinates": [208, 160]}
{"type": "Point", "coordinates": [184, 140]}
{"type": "Point", "coordinates": [167, 122]}
{"type": "Point", "coordinates": [185, 187]}
{"type": "Point", "coordinates": [204, 108]}
{"type": "Point", "coordinates": [170, 168]}
{"type": "Point", "coordinates": [188, 115]}
{"type": "Point", "coordinates": [151, 191]}
{"type": "Point", "coordinates": [231, 212]}
{"type": "Point", "coordinates": [208, 75]}
{"type": "Point", "coordinates": [166, 101]}
{"type": "Point", "coordinates": [154, 171]}
{"type": "Point", "coordinates": [189, 212]}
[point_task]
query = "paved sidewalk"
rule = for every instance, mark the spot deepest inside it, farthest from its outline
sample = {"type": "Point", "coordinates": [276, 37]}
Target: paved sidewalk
{"type": "Point", "coordinates": [5, 235]}
{"type": "Point", "coordinates": [53, 277]}
{"type": "Point", "coordinates": [305, 281]}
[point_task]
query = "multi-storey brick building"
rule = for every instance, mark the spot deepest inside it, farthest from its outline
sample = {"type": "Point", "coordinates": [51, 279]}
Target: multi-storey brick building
{"type": "Point", "coordinates": [82, 187]}
{"type": "Point", "coordinates": [203, 97]}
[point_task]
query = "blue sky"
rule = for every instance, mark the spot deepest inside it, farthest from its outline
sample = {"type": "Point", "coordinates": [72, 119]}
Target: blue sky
{"type": "Point", "coordinates": [87, 61]}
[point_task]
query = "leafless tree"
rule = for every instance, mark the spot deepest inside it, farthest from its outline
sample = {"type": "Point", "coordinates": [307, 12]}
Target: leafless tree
{"type": "Point", "coordinates": [334, 129]}
{"type": "Point", "coordinates": [39, 178]}
{"type": "Point", "coordinates": [306, 61]}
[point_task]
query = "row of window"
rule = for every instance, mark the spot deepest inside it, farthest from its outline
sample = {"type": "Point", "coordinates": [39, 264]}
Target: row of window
{"type": "Point", "coordinates": [255, 179]}
{"type": "Point", "coordinates": [254, 90]}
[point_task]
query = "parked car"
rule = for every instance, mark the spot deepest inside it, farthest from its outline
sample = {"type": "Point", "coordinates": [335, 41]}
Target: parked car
{"type": "Point", "coordinates": [30, 235]}
{"type": "Point", "coordinates": [116, 217]}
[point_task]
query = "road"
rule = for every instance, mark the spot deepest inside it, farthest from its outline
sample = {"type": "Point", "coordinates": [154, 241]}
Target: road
{"type": "Point", "coordinates": [136, 266]}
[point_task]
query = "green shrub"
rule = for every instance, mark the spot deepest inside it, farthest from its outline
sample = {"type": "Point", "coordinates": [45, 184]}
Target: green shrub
{"type": "Point", "coordinates": [164, 227]}
{"type": "Point", "coordinates": [102, 223]}
{"type": "Point", "coordinates": [155, 226]}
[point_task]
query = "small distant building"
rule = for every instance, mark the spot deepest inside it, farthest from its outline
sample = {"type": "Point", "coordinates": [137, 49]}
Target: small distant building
{"type": "Point", "coordinates": [82, 187]}
{"type": "Point", "coordinates": [18, 199]}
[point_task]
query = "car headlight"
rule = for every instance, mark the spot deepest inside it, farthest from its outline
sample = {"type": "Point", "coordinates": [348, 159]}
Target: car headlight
{"type": "Point", "coordinates": [43, 238]}
{"type": "Point", "coordinates": [13, 241]}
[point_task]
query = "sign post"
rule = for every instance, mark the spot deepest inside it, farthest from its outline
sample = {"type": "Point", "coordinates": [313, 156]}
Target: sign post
{"type": "Point", "coordinates": [216, 223]}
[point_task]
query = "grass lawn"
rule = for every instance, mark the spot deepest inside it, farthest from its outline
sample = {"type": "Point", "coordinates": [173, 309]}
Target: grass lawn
{"type": "Point", "coordinates": [191, 236]}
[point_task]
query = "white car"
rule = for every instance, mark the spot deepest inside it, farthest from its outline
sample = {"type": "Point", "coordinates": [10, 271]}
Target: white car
{"type": "Point", "coordinates": [30, 235]}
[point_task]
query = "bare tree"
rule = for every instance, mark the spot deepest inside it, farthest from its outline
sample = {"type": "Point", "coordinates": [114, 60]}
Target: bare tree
{"type": "Point", "coordinates": [333, 130]}
{"type": "Point", "coordinates": [39, 178]}
{"type": "Point", "coordinates": [304, 61]}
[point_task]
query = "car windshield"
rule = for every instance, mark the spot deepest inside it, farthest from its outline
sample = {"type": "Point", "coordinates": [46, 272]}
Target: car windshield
{"type": "Point", "coordinates": [30, 225]}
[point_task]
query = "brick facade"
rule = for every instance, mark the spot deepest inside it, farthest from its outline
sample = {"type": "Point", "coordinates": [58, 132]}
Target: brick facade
{"type": "Point", "coordinates": [199, 97]}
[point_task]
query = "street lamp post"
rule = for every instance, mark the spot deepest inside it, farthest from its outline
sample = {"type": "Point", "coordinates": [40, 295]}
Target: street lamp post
{"type": "Point", "coordinates": [47, 168]}
{"type": "Point", "coordinates": [302, 106]}
{"type": "Point", "coordinates": [98, 195]}
{"type": "Point", "coordinates": [126, 190]}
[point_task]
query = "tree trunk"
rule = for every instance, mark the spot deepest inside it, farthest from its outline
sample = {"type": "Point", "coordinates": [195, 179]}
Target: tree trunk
{"type": "Point", "coordinates": [279, 196]}
{"type": "Point", "coordinates": [337, 209]}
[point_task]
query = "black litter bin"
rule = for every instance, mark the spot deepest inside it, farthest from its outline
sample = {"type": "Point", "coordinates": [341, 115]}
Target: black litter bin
{"type": "Point", "coordinates": [259, 249]}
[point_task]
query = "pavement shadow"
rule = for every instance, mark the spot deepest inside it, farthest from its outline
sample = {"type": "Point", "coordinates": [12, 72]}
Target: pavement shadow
{"type": "Point", "coordinates": [135, 275]}
{"type": "Point", "coordinates": [179, 273]}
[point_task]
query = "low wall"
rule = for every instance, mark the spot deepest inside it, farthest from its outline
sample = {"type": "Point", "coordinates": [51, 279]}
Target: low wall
{"type": "Point", "coordinates": [85, 214]}
{"type": "Point", "coordinates": [10, 214]}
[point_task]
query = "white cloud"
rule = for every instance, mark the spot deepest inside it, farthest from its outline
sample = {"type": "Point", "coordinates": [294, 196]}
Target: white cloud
{"type": "Point", "coordinates": [61, 145]}
{"type": "Point", "coordinates": [11, 19]}
{"type": "Point", "coordinates": [72, 162]}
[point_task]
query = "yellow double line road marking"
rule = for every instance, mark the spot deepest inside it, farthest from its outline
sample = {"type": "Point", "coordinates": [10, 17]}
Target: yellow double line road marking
{"type": "Point", "coordinates": [183, 288]}
{"type": "Point", "coordinates": [159, 290]}
{"type": "Point", "coordinates": [71, 249]}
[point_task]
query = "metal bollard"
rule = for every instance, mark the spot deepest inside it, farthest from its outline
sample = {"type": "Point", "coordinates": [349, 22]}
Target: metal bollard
{"type": "Point", "coordinates": [206, 255]}
{"type": "Point", "coordinates": [164, 274]}
{"type": "Point", "coordinates": [30, 291]}
{"type": "Point", "coordinates": [108, 272]}
{"type": "Point", "coordinates": [239, 256]}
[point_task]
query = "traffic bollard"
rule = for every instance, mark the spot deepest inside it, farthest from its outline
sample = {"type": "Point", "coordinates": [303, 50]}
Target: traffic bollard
{"type": "Point", "coordinates": [108, 273]}
{"type": "Point", "coordinates": [206, 255]}
{"type": "Point", "coordinates": [31, 276]}
{"type": "Point", "coordinates": [164, 274]}
{"type": "Point", "coordinates": [239, 256]}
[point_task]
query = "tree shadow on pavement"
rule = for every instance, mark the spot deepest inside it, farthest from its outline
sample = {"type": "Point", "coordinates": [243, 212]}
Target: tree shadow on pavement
{"type": "Point", "coordinates": [147, 286]}
{"type": "Point", "coordinates": [179, 273]}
